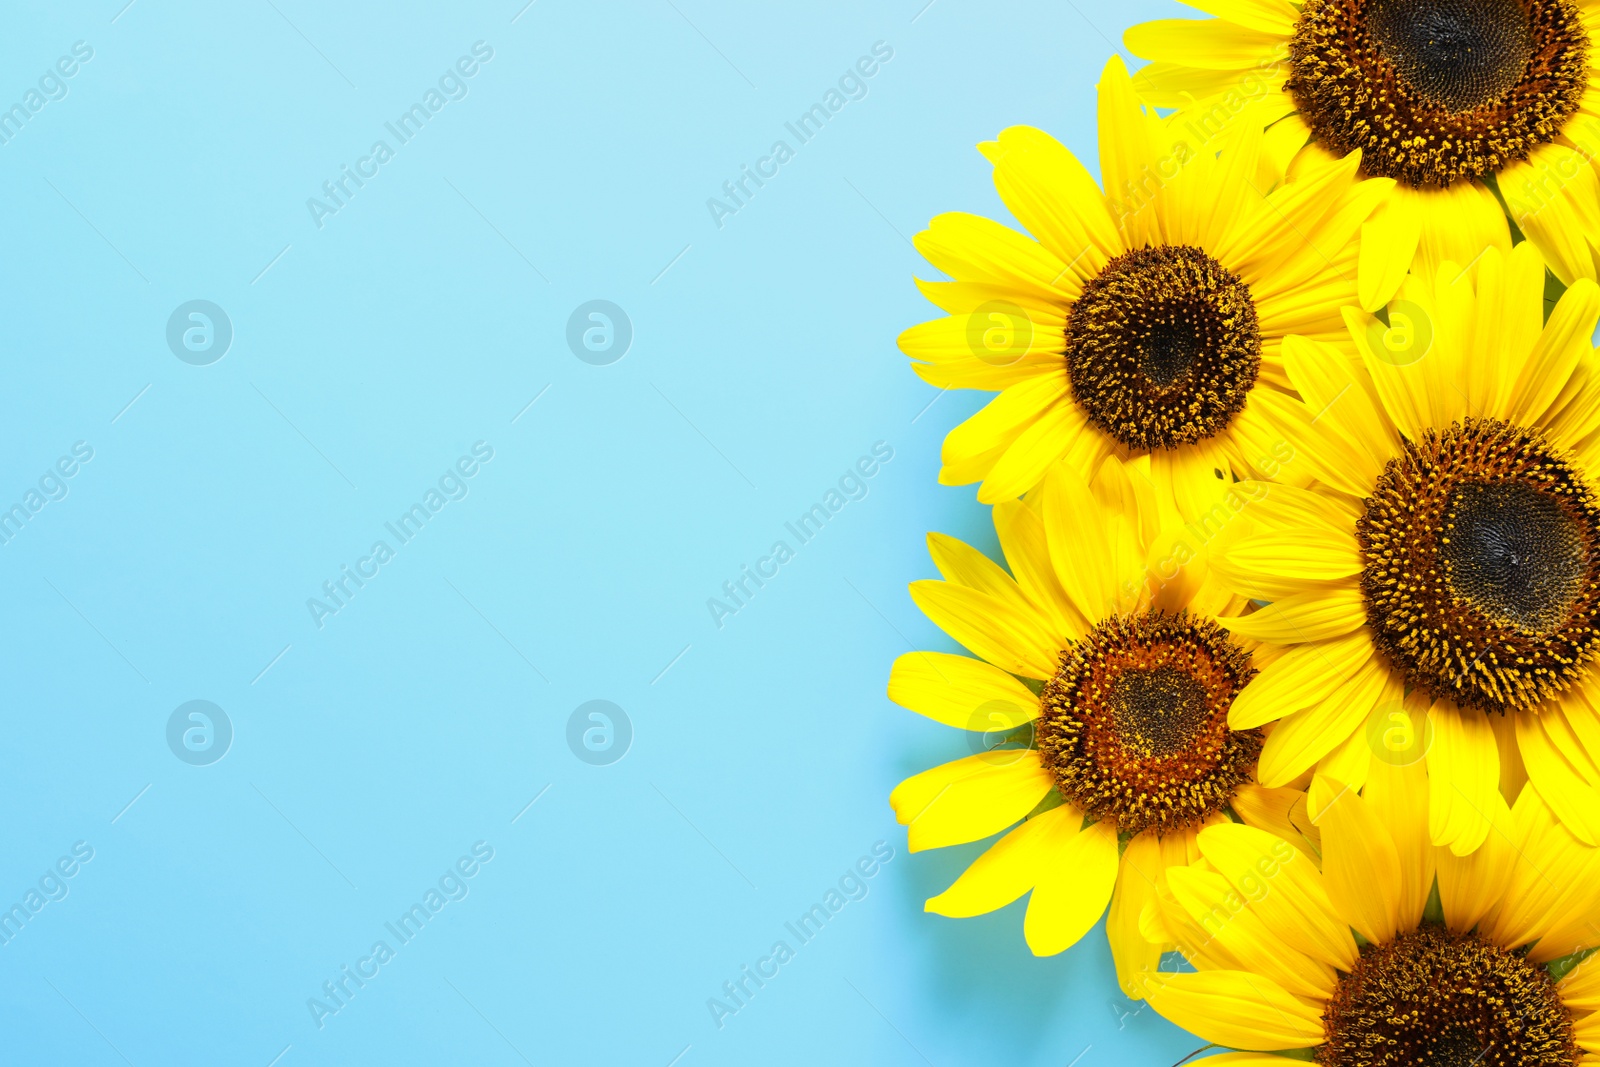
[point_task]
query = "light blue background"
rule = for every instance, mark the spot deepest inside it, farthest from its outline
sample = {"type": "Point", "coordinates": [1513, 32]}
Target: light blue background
{"type": "Point", "coordinates": [368, 355]}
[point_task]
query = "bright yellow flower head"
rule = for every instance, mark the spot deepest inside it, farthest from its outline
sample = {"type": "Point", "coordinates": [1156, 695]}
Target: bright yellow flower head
{"type": "Point", "coordinates": [1101, 655]}
{"type": "Point", "coordinates": [1454, 99]}
{"type": "Point", "coordinates": [1449, 553]}
{"type": "Point", "coordinates": [1146, 320]}
{"type": "Point", "coordinates": [1377, 949]}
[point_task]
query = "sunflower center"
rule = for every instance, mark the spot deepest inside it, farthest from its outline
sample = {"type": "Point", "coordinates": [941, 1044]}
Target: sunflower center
{"type": "Point", "coordinates": [1462, 53]}
{"type": "Point", "coordinates": [1513, 553]}
{"type": "Point", "coordinates": [1431, 997]}
{"type": "Point", "coordinates": [1163, 347]}
{"type": "Point", "coordinates": [1158, 710]}
{"type": "Point", "coordinates": [1481, 576]}
{"type": "Point", "coordinates": [1134, 725]}
{"type": "Point", "coordinates": [1433, 91]}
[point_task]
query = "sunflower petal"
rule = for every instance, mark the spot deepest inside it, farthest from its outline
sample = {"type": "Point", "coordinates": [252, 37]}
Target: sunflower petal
{"type": "Point", "coordinates": [1073, 891]}
{"type": "Point", "coordinates": [1236, 1009]}
{"type": "Point", "coordinates": [969, 799]}
{"type": "Point", "coordinates": [960, 691]}
{"type": "Point", "coordinates": [1018, 643]}
{"type": "Point", "coordinates": [1285, 890]}
{"type": "Point", "coordinates": [1311, 616]}
{"type": "Point", "coordinates": [1010, 867]}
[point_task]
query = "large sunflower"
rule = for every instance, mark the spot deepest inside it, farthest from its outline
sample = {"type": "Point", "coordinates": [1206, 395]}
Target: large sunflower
{"type": "Point", "coordinates": [1453, 99]}
{"type": "Point", "coordinates": [1145, 320]}
{"type": "Point", "coordinates": [1101, 657]}
{"type": "Point", "coordinates": [1393, 953]}
{"type": "Point", "coordinates": [1451, 548]}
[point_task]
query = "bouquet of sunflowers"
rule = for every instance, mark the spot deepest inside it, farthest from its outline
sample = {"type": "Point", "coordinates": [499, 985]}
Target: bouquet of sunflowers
{"type": "Point", "coordinates": [1291, 667]}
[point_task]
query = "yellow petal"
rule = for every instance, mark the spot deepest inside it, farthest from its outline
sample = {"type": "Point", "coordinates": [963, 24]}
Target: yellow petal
{"type": "Point", "coordinates": [1586, 1032]}
{"type": "Point", "coordinates": [1236, 1009]}
{"type": "Point", "coordinates": [1388, 245]}
{"type": "Point", "coordinates": [951, 354]}
{"type": "Point", "coordinates": [969, 799]}
{"type": "Point", "coordinates": [1236, 934]}
{"type": "Point", "coordinates": [1285, 890]}
{"type": "Point", "coordinates": [971, 248]}
{"type": "Point", "coordinates": [1303, 738]}
{"type": "Point", "coordinates": [1397, 792]}
{"type": "Point", "coordinates": [1011, 866]}
{"type": "Point", "coordinates": [1458, 223]}
{"type": "Point", "coordinates": [1551, 195]}
{"type": "Point", "coordinates": [1471, 886]}
{"type": "Point", "coordinates": [1004, 418]}
{"type": "Point", "coordinates": [1575, 801]}
{"type": "Point", "coordinates": [1127, 151]}
{"type": "Point", "coordinates": [1210, 44]}
{"type": "Point", "coordinates": [1073, 891]}
{"type": "Point", "coordinates": [1552, 877]}
{"type": "Point", "coordinates": [1276, 17]}
{"type": "Point", "coordinates": [1463, 772]}
{"type": "Point", "coordinates": [1332, 384]}
{"type": "Point", "coordinates": [960, 691]}
{"type": "Point", "coordinates": [1580, 989]}
{"type": "Point", "coordinates": [1281, 812]}
{"type": "Point", "coordinates": [1360, 864]}
{"type": "Point", "coordinates": [1142, 871]}
{"type": "Point", "coordinates": [1023, 464]}
{"type": "Point", "coordinates": [1018, 643]}
{"type": "Point", "coordinates": [1026, 545]}
{"type": "Point", "coordinates": [1101, 550]}
{"type": "Point", "coordinates": [1297, 679]}
{"type": "Point", "coordinates": [1052, 194]}
{"type": "Point", "coordinates": [1314, 557]}
{"type": "Point", "coordinates": [1310, 616]}
{"type": "Point", "coordinates": [1563, 343]}
{"type": "Point", "coordinates": [1348, 763]}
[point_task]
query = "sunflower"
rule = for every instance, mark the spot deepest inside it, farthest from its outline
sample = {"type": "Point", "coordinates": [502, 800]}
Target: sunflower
{"type": "Point", "coordinates": [1450, 549]}
{"type": "Point", "coordinates": [1146, 320]}
{"type": "Point", "coordinates": [1456, 100]}
{"type": "Point", "coordinates": [1385, 950]}
{"type": "Point", "coordinates": [1098, 708]}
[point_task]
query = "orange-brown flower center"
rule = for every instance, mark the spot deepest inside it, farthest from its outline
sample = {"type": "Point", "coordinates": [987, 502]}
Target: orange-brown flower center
{"type": "Point", "coordinates": [1134, 725]}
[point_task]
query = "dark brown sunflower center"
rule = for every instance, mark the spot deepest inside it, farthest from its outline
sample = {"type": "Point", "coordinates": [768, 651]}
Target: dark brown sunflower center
{"type": "Point", "coordinates": [1514, 554]}
{"type": "Point", "coordinates": [1432, 91]}
{"type": "Point", "coordinates": [1481, 577]}
{"type": "Point", "coordinates": [1134, 725]}
{"type": "Point", "coordinates": [1461, 53]}
{"type": "Point", "coordinates": [1163, 347]}
{"type": "Point", "coordinates": [1431, 997]}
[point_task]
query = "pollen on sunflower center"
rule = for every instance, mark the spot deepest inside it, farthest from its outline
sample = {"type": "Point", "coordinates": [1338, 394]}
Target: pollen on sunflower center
{"type": "Point", "coordinates": [1134, 725]}
{"type": "Point", "coordinates": [1432, 997]}
{"type": "Point", "coordinates": [1433, 91]}
{"type": "Point", "coordinates": [1163, 347]}
{"type": "Point", "coordinates": [1481, 573]}
{"type": "Point", "coordinates": [1158, 710]}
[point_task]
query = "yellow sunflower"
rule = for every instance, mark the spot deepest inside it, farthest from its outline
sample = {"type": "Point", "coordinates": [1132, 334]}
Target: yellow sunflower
{"type": "Point", "coordinates": [1385, 950]}
{"type": "Point", "coordinates": [1141, 321]}
{"type": "Point", "coordinates": [1450, 550]}
{"type": "Point", "coordinates": [1456, 100]}
{"type": "Point", "coordinates": [1102, 657]}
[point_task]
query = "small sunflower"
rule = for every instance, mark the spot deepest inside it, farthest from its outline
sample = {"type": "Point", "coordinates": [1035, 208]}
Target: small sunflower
{"type": "Point", "coordinates": [1134, 323]}
{"type": "Point", "coordinates": [1464, 103]}
{"type": "Point", "coordinates": [1385, 951]}
{"type": "Point", "coordinates": [1450, 550]}
{"type": "Point", "coordinates": [1105, 662]}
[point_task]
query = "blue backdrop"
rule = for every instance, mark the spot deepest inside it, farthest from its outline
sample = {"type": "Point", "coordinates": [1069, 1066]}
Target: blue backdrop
{"type": "Point", "coordinates": [330, 500]}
